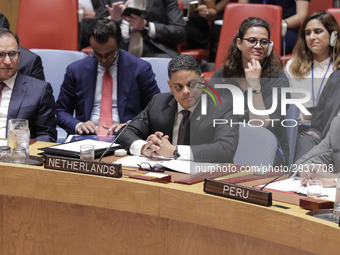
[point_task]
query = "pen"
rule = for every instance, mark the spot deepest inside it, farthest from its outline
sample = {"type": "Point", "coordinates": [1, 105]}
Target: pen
{"type": "Point", "coordinates": [128, 168]}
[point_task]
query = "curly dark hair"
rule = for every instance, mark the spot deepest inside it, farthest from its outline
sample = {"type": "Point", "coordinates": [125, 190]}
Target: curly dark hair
{"type": "Point", "coordinates": [232, 68]}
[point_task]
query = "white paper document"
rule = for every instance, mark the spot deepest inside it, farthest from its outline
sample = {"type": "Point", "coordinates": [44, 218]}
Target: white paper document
{"type": "Point", "coordinates": [75, 146]}
{"type": "Point", "coordinates": [183, 166]}
{"type": "Point", "coordinates": [294, 185]}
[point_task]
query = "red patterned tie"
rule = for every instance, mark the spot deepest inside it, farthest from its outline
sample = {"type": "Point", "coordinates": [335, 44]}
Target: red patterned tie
{"type": "Point", "coordinates": [2, 85]}
{"type": "Point", "coordinates": [106, 103]}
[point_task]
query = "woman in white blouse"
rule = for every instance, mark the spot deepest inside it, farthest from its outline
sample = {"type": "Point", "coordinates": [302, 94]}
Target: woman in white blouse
{"type": "Point", "coordinates": [315, 56]}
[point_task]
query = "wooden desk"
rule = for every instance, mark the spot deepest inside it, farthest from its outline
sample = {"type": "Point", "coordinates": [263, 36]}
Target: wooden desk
{"type": "Point", "coordinates": [54, 212]}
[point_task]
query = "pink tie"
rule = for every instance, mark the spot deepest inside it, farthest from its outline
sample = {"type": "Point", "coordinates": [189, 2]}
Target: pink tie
{"type": "Point", "coordinates": [2, 85]}
{"type": "Point", "coordinates": [105, 117]}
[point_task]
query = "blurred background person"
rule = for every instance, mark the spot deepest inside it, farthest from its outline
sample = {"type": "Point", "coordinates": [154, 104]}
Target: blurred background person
{"type": "Point", "coordinates": [250, 59]}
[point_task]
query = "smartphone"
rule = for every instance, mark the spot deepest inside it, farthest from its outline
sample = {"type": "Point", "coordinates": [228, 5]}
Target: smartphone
{"type": "Point", "coordinates": [192, 6]}
{"type": "Point", "coordinates": [130, 10]}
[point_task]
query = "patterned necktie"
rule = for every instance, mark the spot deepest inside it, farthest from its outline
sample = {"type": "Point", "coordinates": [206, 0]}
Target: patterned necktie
{"type": "Point", "coordinates": [106, 103]}
{"type": "Point", "coordinates": [183, 127]}
{"type": "Point", "coordinates": [2, 85]}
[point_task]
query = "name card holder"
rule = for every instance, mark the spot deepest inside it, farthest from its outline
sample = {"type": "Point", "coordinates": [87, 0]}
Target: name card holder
{"type": "Point", "coordinates": [238, 192]}
{"type": "Point", "coordinates": [83, 166]}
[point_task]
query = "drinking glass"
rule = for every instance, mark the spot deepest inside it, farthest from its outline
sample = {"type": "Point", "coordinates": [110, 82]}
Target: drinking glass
{"type": "Point", "coordinates": [87, 152]}
{"type": "Point", "coordinates": [19, 135]}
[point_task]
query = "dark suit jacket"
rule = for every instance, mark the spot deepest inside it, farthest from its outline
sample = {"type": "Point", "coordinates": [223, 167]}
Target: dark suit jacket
{"type": "Point", "coordinates": [208, 144]}
{"type": "Point", "coordinates": [331, 141]}
{"type": "Point", "coordinates": [33, 100]}
{"type": "Point", "coordinates": [30, 64]}
{"type": "Point", "coordinates": [135, 87]}
{"type": "Point", "coordinates": [169, 23]}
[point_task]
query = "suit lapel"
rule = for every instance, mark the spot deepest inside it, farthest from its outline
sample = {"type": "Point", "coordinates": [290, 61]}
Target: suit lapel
{"type": "Point", "coordinates": [17, 97]}
{"type": "Point", "coordinates": [195, 121]}
{"type": "Point", "coordinates": [89, 81]}
{"type": "Point", "coordinates": [168, 118]}
{"type": "Point", "coordinates": [125, 76]}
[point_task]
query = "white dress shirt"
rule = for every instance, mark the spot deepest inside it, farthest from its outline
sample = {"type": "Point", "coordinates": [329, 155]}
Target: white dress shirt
{"type": "Point", "coordinates": [95, 114]}
{"type": "Point", "coordinates": [319, 71]}
{"type": "Point", "coordinates": [183, 150]}
{"type": "Point", "coordinates": [6, 98]}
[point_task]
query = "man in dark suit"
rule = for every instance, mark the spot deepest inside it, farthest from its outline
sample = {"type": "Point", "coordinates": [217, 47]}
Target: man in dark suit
{"type": "Point", "coordinates": [162, 26]}
{"type": "Point", "coordinates": [132, 85]}
{"type": "Point", "coordinates": [159, 128]}
{"type": "Point", "coordinates": [22, 96]}
{"type": "Point", "coordinates": [30, 63]}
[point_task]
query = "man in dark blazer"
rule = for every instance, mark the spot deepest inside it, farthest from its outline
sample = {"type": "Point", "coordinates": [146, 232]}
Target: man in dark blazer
{"type": "Point", "coordinates": [162, 26]}
{"type": "Point", "coordinates": [30, 63]}
{"type": "Point", "coordinates": [155, 131]}
{"type": "Point", "coordinates": [22, 96]}
{"type": "Point", "coordinates": [133, 81]}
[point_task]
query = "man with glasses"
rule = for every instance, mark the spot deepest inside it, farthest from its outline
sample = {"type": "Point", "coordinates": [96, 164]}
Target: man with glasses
{"type": "Point", "coordinates": [30, 63]}
{"type": "Point", "coordinates": [23, 97]}
{"type": "Point", "coordinates": [173, 125]}
{"type": "Point", "coordinates": [105, 89]}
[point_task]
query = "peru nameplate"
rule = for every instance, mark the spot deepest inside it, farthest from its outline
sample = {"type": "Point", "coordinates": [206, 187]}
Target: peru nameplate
{"type": "Point", "coordinates": [238, 192]}
{"type": "Point", "coordinates": [83, 166]}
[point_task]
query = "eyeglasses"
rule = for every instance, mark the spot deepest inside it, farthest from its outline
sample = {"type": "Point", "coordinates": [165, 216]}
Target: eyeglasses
{"type": "Point", "coordinates": [264, 43]}
{"type": "Point", "coordinates": [147, 167]}
{"type": "Point", "coordinates": [110, 55]}
{"type": "Point", "coordinates": [11, 54]}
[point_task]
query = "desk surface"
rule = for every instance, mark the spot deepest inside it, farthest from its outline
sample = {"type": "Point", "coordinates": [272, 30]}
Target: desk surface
{"type": "Point", "coordinates": [55, 212]}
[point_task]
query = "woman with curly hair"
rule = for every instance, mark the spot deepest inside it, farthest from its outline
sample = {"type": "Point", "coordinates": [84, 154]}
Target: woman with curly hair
{"type": "Point", "coordinates": [251, 63]}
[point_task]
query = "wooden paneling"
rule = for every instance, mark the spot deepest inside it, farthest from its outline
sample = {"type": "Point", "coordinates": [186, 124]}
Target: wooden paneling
{"type": "Point", "coordinates": [10, 8]}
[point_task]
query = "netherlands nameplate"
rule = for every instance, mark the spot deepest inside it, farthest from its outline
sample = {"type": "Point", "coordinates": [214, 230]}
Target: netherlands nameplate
{"type": "Point", "coordinates": [238, 192]}
{"type": "Point", "coordinates": [83, 166]}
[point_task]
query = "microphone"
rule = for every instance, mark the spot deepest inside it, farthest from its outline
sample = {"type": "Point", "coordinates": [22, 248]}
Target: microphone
{"type": "Point", "coordinates": [335, 150]}
{"type": "Point", "coordinates": [127, 124]}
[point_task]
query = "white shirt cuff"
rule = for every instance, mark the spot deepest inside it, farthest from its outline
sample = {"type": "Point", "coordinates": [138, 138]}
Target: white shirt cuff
{"type": "Point", "coordinates": [136, 147]}
{"type": "Point", "coordinates": [152, 30]}
{"type": "Point", "coordinates": [75, 129]}
{"type": "Point", "coordinates": [185, 152]}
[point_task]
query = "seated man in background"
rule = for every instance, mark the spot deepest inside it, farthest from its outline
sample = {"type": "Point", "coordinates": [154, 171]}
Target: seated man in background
{"type": "Point", "coordinates": [30, 63]}
{"type": "Point", "coordinates": [172, 121]}
{"type": "Point", "coordinates": [105, 89]}
{"type": "Point", "coordinates": [323, 161]}
{"type": "Point", "coordinates": [154, 34]}
{"type": "Point", "coordinates": [24, 97]}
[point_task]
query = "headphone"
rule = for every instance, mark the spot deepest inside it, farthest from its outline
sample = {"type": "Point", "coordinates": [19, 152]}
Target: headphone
{"type": "Point", "coordinates": [333, 38]}
{"type": "Point", "coordinates": [270, 48]}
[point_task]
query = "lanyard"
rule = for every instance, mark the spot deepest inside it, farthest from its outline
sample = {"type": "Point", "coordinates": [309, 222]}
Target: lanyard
{"type": "Point", "coordinates": [317, 99]}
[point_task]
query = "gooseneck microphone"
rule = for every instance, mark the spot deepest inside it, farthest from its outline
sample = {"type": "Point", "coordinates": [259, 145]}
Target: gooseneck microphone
{"type": "Point", "coordinates": [108, 148]}
{"type": "Point", "coordinates": [334, 150]}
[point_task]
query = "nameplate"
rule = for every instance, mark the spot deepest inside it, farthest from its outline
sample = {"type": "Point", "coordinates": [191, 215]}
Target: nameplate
{"type": "Point", "coordinates": [83, 166]}
{"type": "Point", "coordinates": [238, 192]}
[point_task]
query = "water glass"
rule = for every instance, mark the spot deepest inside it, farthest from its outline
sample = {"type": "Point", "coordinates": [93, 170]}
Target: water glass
{"type": "Point", "coordinates": [87, 152]}
{"type": "Point", "coordinates": [19, 155]}
{"type": "Point", "coordinates": [5, 154]}
{"type": "Point", "coordinates": [19, 135]}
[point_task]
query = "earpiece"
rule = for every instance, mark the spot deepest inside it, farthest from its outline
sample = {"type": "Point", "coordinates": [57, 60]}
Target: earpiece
{"type": "Point", "coordinates": [333, 39]}
{"type": "Point", "coordinates": [270, 48]}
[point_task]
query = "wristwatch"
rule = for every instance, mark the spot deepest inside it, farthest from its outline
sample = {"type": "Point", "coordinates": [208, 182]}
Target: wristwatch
{"type": "Point", "coordinates": [256, 91]}
{"type": "Point", "coordinates": [176, 154]}
{"type": "Point", "coordinates": [146, 28]}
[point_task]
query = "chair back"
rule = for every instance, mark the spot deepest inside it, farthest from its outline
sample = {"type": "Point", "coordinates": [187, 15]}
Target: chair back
{"type": "Point", "coordinates": [55, 63]}
{"type": "Point", "coordinates": [292, 124]}
{"type": "Point", "coordinates": [336, 13]}
{"type": "Point", "coordinates": [160, 68]}
{"type": "Point", "coordinates": [320, 5]}
{"type": "Point", "coordinates": [256, 147]}
{"type": "Point", "coordinates": [235, 14]}
{"type": "Point", "coordinates": [47, 24]}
